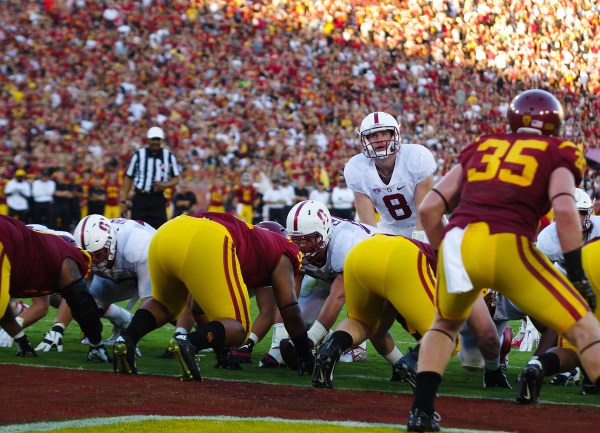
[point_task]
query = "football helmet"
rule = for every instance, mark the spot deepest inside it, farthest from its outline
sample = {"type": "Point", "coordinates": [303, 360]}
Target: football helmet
{"type": "Point", "coordinates": [585, 207]}
{"type": "Point", "coordinates": [536, 110]}
{"type": "Point", "coordinates": [309, 225]}
{"type": "Point", "coordinates": [274, 227]}
{"type": "Point", "coordinates": [377, 122]}
{"type": "Point", "coordinates": [95, 234]}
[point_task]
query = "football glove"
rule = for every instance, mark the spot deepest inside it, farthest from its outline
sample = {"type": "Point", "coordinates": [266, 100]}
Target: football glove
{"type": "Point", "coordinates": [24, 347]}
{"type": "Point", "coordinates": [585, 289]}
{"type": "Point", "coordinates": [98, 354]}
{"type": "Point", "coordinates": [5, 339]}
{"type": "Point", "coordinates": [52, 339]}
{"type": "Point", "coordinates": [306, 363]}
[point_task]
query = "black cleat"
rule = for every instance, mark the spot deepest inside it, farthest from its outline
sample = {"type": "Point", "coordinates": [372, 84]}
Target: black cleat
{"type": "Point", "coordinates": [406, 368]}
{"type": "Point", "coordinates": [325, 362]}
{"type": "Point", "coordinates": [419, 421]}
{"type": "Point", "coordinates": [530, 385]}
{"type": "Point", "coordinates": [124, 356]}
{"type": "Point", "coordinates": [243, 354]}
{"type": "Point", "coordinates": [185, 354]}
{"type": "Point", "coordinates": [495, 379]}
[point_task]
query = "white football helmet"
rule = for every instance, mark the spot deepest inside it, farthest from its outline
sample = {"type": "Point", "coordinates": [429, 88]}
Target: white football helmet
{"type": "Point", "coordinates": [309, 226]}
{"type": "Point", "coordinates": [376, 122]}
{"type": "Point", "coordinates": [95, 234]}
{"type": "Point", "coordinates": [585, 207]}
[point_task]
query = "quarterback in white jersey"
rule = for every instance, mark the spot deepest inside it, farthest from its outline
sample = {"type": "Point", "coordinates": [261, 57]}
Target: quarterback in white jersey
{"type": "Point", "coordinates": [389, 177]}
{"type": "Point", "coordinates": [119, 250]}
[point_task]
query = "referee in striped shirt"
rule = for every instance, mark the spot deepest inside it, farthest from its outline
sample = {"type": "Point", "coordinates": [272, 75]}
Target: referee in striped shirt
{"type": "Point", "coordinates": [151, 170]}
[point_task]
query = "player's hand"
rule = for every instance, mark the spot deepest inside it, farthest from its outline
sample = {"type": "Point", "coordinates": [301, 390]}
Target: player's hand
{"type": "Point", "coordinates": [306, 363]}
{"type": "Point", "coordinates": [5, 339]}
{"type": "Point", "coordinates": [24, 347]}
{"type": "Point", "coordinates": [53, 339]}
{"type": "Point", "coordinates": [98, 354]}
{"type": "Point", "coordinates": [585, 289]}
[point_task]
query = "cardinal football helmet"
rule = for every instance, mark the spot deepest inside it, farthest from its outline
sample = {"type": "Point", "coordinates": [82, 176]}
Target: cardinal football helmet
{"type": "Point", "coordinates": [274, 227]}
{"type": "Point", "coordinates": [95, 234]}
{"type": "Point", "coordinates": [309, 225]}
{"type": "Point", "coordinates": [538, 110]}
{"type": "Point", "coordinates": [377, 122]}
{"type": "Point", "coordinates": [585, 208]}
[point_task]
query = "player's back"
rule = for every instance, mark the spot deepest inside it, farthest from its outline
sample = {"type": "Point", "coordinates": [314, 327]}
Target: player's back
{"type": "Point", "coordinates": [506, 179]}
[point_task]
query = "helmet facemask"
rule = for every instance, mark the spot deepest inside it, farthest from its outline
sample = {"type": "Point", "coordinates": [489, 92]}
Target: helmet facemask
{"type": "Point", "coordinates": [104, 258]}
{"type": "Point", "coordinates": [378, 148]}
{"type": "Point", "coordinates": [312, 245]}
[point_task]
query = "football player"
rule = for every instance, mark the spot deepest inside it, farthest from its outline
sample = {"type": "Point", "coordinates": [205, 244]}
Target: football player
{"type": "Point", "coordinates": [388, 181]}
{"type": "Point", "coordinates": [563, 357]}
{"type": "Point", "coordinates": [216, 258]}
{"type": "Point", "coordinates": [119, 251]}
{"type": "Point", "coordinates": [65, 268]}
{"type": "Point", "coordinates": [497, 193]}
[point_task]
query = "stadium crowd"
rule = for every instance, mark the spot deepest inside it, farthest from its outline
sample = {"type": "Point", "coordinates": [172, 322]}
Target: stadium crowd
{"type": "Point", "coordinates": [277, 88]}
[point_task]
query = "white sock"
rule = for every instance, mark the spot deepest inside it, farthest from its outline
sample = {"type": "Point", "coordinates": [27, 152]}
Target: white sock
{"type": "Point", "coordinates": [394, 356]}
{"type": "Point", "coordinates": [316, 332]}
{"type": "Point", "coordinates": [118, 316]}
{"type": "Point", "coordinates": [492, 364]}
{"type": "Point", "coordinates": [254, 338]}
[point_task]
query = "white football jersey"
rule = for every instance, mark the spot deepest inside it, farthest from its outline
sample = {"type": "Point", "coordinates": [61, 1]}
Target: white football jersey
{"type": "Point", "coordinates": [548, 243]}
{"type": "Point", "coordinates": [344, 235]}
{"type": "Point", "coordinates": [131, 258]}
{"type": "Point", "coordinates": [394, 202]}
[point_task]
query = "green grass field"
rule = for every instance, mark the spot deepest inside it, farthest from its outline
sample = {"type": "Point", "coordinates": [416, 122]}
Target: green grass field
{"type": "Point", "coordinates": [372, 374]}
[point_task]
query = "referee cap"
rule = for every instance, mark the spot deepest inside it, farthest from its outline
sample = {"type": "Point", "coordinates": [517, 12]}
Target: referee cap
{"type": "Point", "coordinates": [156, 132]}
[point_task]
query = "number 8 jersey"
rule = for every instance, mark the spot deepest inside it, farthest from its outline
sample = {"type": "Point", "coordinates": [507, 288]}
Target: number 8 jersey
{"type": "Point", "coordinates": [395, 202]}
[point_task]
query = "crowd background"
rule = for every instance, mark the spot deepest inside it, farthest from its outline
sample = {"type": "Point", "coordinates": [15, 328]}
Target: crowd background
{"type": "Point", "coordinates": [277, 88]}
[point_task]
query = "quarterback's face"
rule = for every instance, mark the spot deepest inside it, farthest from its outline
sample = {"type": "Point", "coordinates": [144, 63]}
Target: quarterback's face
{"type": "Point", "coordinates": [380, 139]}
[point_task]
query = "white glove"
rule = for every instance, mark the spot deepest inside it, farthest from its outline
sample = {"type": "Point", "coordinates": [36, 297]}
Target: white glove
{"type": "Point", "coordinates": [52, 339]}
{"type": "Point", "coordinates": [5, 339]}
{"type": "Point", "coordinates": [530, 339]}
{"type": "Point", "coordinates": [99, 354]}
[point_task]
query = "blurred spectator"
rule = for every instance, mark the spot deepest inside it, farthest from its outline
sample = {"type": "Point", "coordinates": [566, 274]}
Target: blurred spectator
{"type": "Point", "coordinates": [320, 194]}
{"type": "Point", "coordinates": [42, 194]}
{"type": "Point", "coordinates": [184, 200]}
{"type": "Point", "coordinates": [275, 201]}
{"type": "Point", "coordinates": [18, 194]}
{"type": "Point", "coordinates": [301, 192]}
{"type": "Point", "coordinates": [342, 200]}
{"type": "Point", "coordinates": [97, 197]}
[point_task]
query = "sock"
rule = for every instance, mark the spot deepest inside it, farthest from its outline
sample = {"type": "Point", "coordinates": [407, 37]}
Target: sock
{"type": "Point", "coordinates": [550, 363]}
{"type": "Point", "coordinates": [316, 332]}
{"type": "Point", "coordinates": [492, 364]}
{"type": "Point", "coordinates": [252, 340]}
{"type": "Point", "coordinates": [340, 341]}
{"type": "Point", "coordinates": [180, 330]}
{"type": "Point", "coordinates": [118, 316]}
{"type": "Point", "coordinates": [142, 323]}
{"type": "Point", "coordinates": [210, 335]}
{"type": "Point", "coordinates": [428, 383]}
{"type": "Point", "coordinates": [394, 356]}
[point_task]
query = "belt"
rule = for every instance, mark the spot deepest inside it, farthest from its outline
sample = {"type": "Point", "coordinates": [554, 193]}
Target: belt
{"type": "Point", "coordinates": [143, 191]}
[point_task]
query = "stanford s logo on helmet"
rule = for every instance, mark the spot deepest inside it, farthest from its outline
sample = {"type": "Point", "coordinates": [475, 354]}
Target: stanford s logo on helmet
{"type": "Point", "coordinates": [309, 225]}
{"type": "Point", "coordinates": [95, 234]}
{"type": "Point", "coordinates": [377, 147]}
{"type": "Point", "coordinates": [536, 110]}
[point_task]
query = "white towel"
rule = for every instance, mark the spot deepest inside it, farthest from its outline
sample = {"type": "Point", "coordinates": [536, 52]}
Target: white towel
{"type": "Point", "coordinates": [457, 279]}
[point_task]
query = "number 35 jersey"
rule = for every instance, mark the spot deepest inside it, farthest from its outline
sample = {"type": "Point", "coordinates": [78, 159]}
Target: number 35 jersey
{"type": "Point", "coordinates": [506, 178]}
{"type": "Point", "coordinates": [395, 202]}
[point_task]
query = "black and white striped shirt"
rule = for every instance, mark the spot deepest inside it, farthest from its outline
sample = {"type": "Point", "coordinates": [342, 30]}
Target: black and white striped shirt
{"type": "Point", "coordinates": [146, 169]}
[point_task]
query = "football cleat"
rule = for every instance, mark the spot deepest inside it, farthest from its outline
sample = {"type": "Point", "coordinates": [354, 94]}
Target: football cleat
{"type": "Point", "coordinates": [242, 354]}
{"type": "Point", "coordinates": [124, 356]}
{"type": "Point", "coordinates": [495, 379]}
{"type": "Point", "coordinates": [566, 378]}
{"type": "Point", "coordinates": [116, 332]}
{"type": "Point", "coordinates": [269, 361]}
{"type": "Point", "coordinates": [406, 368]}
{"type": "Point", "coordinates": [325, 362]}
{"type": "Point", "coordinates": [530, 384]}
{"type": "Point", "coordinates": [354, 354]}
{"type": "Point", "coordinates": [225, 360]}
{"type": "Point", "coordinates": [587, 386]}
{"type": "Point", "coordinates": [185, 354]}
{"type": "Point", "coordinates": [419, 421]}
